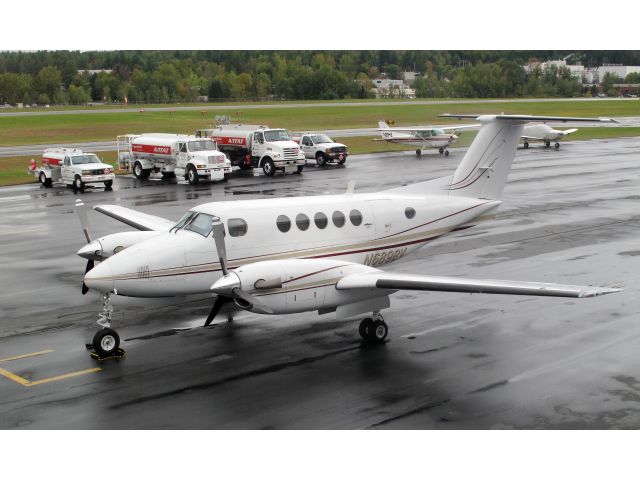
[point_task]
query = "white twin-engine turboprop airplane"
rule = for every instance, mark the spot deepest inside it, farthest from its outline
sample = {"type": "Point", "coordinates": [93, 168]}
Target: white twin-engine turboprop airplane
{"type": "Point", "coordinates": [422, 137]}
{"type": "Point", "coordinates": [541, 132]}
{"type": "Point", "coordinates": [289, 255]}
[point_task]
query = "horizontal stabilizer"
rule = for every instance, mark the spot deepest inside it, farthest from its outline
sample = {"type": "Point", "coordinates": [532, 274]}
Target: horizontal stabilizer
{"type": "Point", "coordinates": [135, 219]}
{"type": "Point", "coordinates": [400, 281]}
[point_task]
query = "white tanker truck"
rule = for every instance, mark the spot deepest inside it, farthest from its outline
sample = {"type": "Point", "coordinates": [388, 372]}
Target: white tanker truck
{"type": "Point", "coordinates": [257, 146]}
{"type": "Point", "coordinates": [184, 156]}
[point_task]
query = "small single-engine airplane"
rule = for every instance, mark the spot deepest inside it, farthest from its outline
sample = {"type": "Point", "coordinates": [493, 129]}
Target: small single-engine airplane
{"type": "Point", "coordinates": [422, 137]}
{"type": "Point", "coordinates": [541, 132]}
{"type": "Point", "coordinates": [315, 253]}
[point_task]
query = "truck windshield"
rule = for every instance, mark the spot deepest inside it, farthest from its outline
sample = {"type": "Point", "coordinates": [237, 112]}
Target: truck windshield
{"type": "Point", "coordinates": [276, 135]}
{"type": "Point", "coordinates": [201, 145]}
{"type": "Point", "coordinates": [83, 159]}
{"type": "Point", "coordinates": [321, 139]}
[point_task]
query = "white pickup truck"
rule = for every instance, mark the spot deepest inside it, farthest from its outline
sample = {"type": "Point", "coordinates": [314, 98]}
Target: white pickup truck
{"type": "Point", "coordinates": [322, 148]}
{"type": "Point", "coordinates": [71, 167]}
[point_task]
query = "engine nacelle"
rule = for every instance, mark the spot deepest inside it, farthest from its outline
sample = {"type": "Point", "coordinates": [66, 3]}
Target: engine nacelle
{"type": "Point", "coordinates": [107, 246]}
{"type": "Point", "coordinates": [298, 285]}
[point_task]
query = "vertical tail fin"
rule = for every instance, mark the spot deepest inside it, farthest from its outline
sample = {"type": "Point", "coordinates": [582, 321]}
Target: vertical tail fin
{"type": "Point", "coordinates": [383, 124]}
{"type": "Point", "coordinates": [483, 171]}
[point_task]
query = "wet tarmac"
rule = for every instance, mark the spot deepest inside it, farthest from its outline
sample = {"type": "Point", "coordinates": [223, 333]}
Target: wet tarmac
{"type": "Point", "coordinates": [452, 361]}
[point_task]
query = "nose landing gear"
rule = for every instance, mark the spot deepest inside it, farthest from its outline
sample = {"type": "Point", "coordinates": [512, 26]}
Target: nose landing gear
{"type": "Point", "coordinates": [106, 341]}
{"type": "Point", "coordinates": [374, 330]}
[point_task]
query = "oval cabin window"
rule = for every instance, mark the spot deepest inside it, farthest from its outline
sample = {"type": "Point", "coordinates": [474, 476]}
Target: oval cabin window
{"type": "Point", "coordinates": [284, 223]}
{"type": "Point", "coordinates": [237, 227]}
{"type": "Point", "coordinates": [338, 218]}
{"type": "Point", "coordinates": [356, 217]}
{"type": "Point", "coordinates": [302, 221]}
{"type": "Point", "coordinates": [409, 212]}
{"type": "Point", "coordinates": [320, 220]}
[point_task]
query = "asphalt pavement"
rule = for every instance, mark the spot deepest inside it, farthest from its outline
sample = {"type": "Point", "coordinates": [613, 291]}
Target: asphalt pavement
{"type": "Point", "coordinates": [452, 361]}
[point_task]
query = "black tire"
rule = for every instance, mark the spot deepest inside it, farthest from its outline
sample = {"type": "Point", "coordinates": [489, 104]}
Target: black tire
{"type": "Point", "coordinates": [226, 178]}
{"type": "Point", "coordinates": [557, 145]}
{"type": "Point", "coordinates": [377, 332]}
{"type": "Point", "coordinates": [446, 153]}
{"type": "Point", "coordinates": [321, 160]}
{"type": "Point", "coordinates": [108, 183]}
{"type": "Point", "coordinates": [106, 342]}
{"type": "Point", "coordinates": [300, 169]}
{"type": "Point", "coordinates": [547, 143]}
{"type": "Point", "coordinates": [526, 145]}
{"type": "Point", "coordinates": [364, 327]}
{"type": "Point", "coordinates": [269, 168]}
{"type": "Point", "coordinates": [138, 171]}
{"type": "Point", "coordinates": [341, 162]}
{"type": "Point", "coordinates": [46, 182]}
{"type": "Point", "coordinates": [78, 184]}
{"type": "Point", "coordinates": [168, 175]}
{"type": "Point", "coordinates": [441, 150]}
{"type": "Point", "coordinates": [418, 152]}
{"type": "Point", "coordinates": [192, 175]}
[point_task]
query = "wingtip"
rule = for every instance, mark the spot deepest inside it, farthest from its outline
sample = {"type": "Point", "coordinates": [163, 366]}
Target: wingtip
{"type": "Point", "coordinates": [597, 291]}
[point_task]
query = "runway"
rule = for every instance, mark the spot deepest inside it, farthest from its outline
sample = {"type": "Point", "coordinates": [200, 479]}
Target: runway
{"type": "Point", "coordinates": [452, 361]}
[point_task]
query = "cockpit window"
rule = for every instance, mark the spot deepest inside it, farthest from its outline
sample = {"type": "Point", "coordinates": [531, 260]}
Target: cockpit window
{"type": "Point", "coordinates": [184, 220]}
{"type": "Point", "coordinates": [201, 224]}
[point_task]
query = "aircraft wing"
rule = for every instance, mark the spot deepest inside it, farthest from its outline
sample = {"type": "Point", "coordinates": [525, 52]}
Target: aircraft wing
{"type": "Point", "coordinates": [135, 219]}
{"type": "Point", "coordinates": [428, 127]}
{"type": "Point", "coordinates": [402, 281]}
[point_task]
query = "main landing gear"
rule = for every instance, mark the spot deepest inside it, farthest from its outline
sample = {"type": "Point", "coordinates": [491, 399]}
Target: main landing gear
{"type": "Point", "coordinates": [106, 341]}
{"type": "Point", "coordinates": [443, 150]}
{"type": "Point", "coordinates": [374, 330]}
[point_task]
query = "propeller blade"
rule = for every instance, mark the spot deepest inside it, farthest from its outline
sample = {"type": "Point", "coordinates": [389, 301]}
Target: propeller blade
{"type": "Point", "coordinates": [89, 266]}
{"type": "Point", "coordinates": [84, 218]}
{"type": "Point", "coordinates": [255, 304]}
{"type": "Point", "coordinates": [220, 301]}
{"type": "Point", "coordinates": [218, 237]}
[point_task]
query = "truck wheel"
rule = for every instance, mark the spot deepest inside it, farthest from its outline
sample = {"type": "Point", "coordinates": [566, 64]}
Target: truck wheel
{"type": "Point", "coordinates": [300, 168]}
{"type": "Point", "coordinates": [46, 182]}
{"type": "Point", "coordinates": [341, 162]}
{"type": "Point", "coordinates": [226, 178]}
{"type": "Point", "coordinates": [268, 167]}
{"type": "Point", "coordinates": [108, 184]}
{"type": "Point", "coordinates": [321, 159]}
{"type": "Point", "coordinates": [168, 175]}
{"type": "Point", "coordinates": [78, 184]}
{"type": "Point", "coordinates": [139, 172]}
{"type": "Point", "coordinates": [192, 175]}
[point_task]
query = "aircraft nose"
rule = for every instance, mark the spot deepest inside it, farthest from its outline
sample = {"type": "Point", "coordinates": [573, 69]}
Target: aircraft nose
{"type": "Point", "coordinates": [100, 278]}
{"type": "Point", "coordinates": [91, 251]}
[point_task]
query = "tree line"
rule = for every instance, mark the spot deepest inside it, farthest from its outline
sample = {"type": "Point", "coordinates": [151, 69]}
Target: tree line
{"type": "Point", "coordinates": [185, 76]}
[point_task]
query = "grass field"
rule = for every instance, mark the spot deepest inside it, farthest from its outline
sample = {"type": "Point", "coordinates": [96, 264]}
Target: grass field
{"type": "Point", "coordinates": [106, 126]}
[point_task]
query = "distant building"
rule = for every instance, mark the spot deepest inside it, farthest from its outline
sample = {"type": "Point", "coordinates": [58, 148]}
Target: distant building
{"type": "Point", "coordinates": [620, 71]}
{"type": "Point", "coordinates": [577, 71]}
{"type": "Point", "coordinates": [409, 77]}
{"type": "Point", "coordinates": [589, 76]}
{"type": "Point", "coordinates": [388, 88]}
{"type": "Point", "coordinates": [95, 72]}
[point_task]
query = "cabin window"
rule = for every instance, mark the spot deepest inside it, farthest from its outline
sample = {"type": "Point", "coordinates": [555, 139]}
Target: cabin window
{"type": "Point", "coordinates": [284, 223]}
{"type": "Point", "coordinates": [237, 227]}
{"type": "Point", "coordinates": [356, 217]}
{"type": "Point", "coordinates": [409, 212]}
{"type": "Point", "coordinates": [302, 221]}
{"type": "Point", "coordinates": [320, 220]}
{"type": "Point", "coordinates": [338, 218]}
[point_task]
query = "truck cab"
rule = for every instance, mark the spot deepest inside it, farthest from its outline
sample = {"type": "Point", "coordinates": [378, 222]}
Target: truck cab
{"type": "Point", "coordinates": [322, 149]}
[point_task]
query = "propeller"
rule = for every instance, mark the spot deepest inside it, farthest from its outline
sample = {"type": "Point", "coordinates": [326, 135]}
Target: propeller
{"type": "Point", "coordinates": [229, 288]}
{"type": "Point", "coordinates": [84, 223]}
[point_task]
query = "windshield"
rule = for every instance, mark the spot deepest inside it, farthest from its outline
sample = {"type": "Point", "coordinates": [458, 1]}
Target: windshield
{"type": "Point", "coordinates": [438, 131]}
{"type": "Point", "coordinates": [196, 222]}
{"type": "Point", "coordinates": [321, 139]}
{"type": "Point", "coordinates": [200, 145]}
{"type": "Point", "coordinates": [276, 135]}
{"type": "Point", "coordinates": [83, 159]}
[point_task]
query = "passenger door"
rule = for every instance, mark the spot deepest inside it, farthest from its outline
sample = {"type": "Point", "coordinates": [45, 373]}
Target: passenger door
{"type": "Point", "coordinates": [67, 173]}
{"type": "Point", "coordinates": [257, 146]}
{"type": "Point", "coordinates": [183, 155]}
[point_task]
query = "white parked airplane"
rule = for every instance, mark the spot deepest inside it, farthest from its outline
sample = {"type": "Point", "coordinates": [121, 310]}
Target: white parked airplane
{"type": "Point", "coordinates": [320, 253]}
{"type": "Point", "coordinates": [541, 132]}
{"type": "Point", "coordinates": [422, 137]}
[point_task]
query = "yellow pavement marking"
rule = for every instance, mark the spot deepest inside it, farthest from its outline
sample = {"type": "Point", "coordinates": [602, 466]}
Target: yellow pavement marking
{"type": "Point", "coordinates": [16, 378]}
{"type": "Point", "coordinates": [26, 383]}
{"type": "Point", "coordinates": [18, 357]}
{"type": "Point", "coordinates": [66, 375]}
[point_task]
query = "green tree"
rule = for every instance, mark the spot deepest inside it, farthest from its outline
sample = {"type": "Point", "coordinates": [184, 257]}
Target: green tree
{"type": "Point", "coordinates": [49, 81]}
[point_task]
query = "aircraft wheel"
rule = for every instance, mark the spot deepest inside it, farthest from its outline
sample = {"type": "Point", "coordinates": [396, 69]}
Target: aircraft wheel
{"type": "Point", "coordinates": [557, 145]}
{"type": "Point", "coordinates": [446, 153]}
{"type": "Point", "coordinates": [547, 143]}
{"type": "Point", "coordinates": [526, 144]}
{"type": "Point", "coordinates": [418, 152]}
{"type": "Point", "coordinates": [441, 150]}
{"type": "Point", "coordinates": [106, 342]}
{"type": "Point", "coordinates": [378, 331]}
{"type": "Point", "coordinates": [364, 327]}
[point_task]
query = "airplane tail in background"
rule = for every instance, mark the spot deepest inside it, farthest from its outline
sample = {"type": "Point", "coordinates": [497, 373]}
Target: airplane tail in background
{"type": "Point", "coordinates": [483, 171]}
{"type": "Point", "coordinates": [382, 124]}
